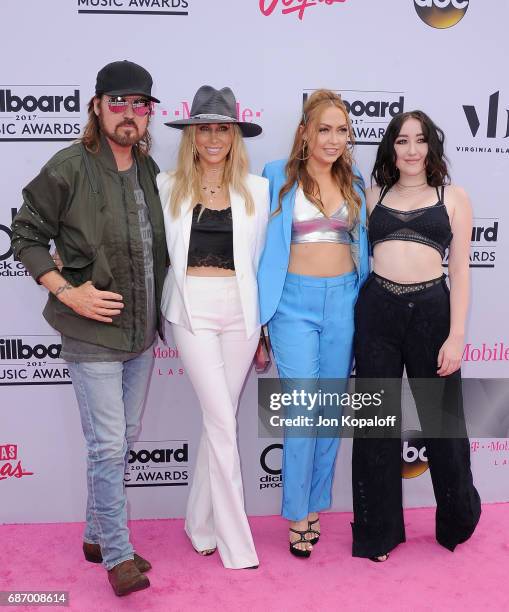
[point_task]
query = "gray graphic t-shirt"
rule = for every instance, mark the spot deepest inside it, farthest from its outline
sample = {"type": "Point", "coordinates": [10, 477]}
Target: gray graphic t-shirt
{"type": "Point", "coordinates": [77, 350]}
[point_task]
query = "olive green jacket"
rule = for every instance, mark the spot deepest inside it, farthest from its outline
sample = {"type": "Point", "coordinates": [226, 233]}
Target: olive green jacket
{"type": "Point", "coordinates": [81, 202]}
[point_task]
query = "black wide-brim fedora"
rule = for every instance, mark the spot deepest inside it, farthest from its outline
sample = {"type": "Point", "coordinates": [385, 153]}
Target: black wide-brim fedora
{"type": "Point", "coordinates": [212, 105]}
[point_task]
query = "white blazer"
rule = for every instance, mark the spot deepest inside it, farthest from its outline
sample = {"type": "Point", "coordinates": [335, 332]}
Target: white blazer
{"type": "Point", "coordinates": [248, 242]}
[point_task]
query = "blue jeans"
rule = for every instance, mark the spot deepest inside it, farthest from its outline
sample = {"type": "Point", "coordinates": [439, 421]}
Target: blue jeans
{"type": "Point", "coordinates": [111, 396]}
{"type": "Point", "coordinates": [312, 337]}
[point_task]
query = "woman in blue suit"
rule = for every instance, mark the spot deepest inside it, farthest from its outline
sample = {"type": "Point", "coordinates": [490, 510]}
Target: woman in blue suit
{"type": "Point", "coordinates": [314, 262]}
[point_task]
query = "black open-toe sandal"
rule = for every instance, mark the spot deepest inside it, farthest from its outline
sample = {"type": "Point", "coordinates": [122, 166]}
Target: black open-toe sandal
{"type": "Point", "coordinates": [297, 551]}
{"type": "Point", "coordinates": [314, 540]}
{"type": "Point", "coordinates": [377, 560]}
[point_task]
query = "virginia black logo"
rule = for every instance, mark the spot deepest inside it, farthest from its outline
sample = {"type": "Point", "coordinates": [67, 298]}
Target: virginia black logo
{"type": "Point", "coordinates": [489, 126]}
{"type": "Point", "coordinates": [161, 463]}
{"type": "Point", "coordinates": [32, 360]}
{"type": "Point", "coordinates": [441, 14]}
{"type": "Point", "coordinates": [39, 112]}
{"type": "Point", "coordinates": [492, 119]}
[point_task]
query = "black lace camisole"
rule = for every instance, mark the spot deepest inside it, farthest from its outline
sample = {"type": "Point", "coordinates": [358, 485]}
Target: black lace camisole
{"type": "Point", "coordinates": [211, 240]}
{"type": "Point", "coordinates": [428, 225]}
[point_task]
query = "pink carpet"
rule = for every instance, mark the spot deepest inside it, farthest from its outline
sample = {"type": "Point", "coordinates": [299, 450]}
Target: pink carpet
{"type": "Point", "coordinates": [419, 576]}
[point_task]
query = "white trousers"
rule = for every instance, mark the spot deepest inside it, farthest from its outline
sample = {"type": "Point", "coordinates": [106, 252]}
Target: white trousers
{"type": "Point", "coordinates": [217, 358]}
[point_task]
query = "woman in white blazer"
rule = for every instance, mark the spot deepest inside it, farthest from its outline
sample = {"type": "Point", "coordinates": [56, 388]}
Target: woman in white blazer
{"type": "Point", "coordinates": [215, 217]}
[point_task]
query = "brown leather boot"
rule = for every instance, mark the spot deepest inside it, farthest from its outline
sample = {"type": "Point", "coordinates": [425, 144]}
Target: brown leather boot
{"type": "Point", "coordinates": [93, 554]}
{"type": "Point", "coordinates": [126, 578]}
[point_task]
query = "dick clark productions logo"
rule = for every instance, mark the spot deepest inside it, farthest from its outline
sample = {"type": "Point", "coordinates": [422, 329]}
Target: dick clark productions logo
{"type": "Point", "coordinates": [441, 14]}
{"type": "Point", "coordinates": [270, 462]}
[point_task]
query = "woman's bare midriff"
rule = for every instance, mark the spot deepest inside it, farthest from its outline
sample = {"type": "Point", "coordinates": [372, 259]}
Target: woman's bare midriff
{"type": "Point", "coordinates": [209, 271]}
{"type": "Point", "coordinates": [320, 259]}
{"type": "Point", "coordinates": [406, 262]}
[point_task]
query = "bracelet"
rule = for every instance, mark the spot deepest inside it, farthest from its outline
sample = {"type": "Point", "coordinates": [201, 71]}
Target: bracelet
{"type": "Point", "coordinates": [62, 289]}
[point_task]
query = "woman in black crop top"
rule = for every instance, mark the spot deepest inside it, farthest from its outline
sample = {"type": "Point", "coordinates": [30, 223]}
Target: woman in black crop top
{"type": "Point", "coordinates": [406, 318]}
{"type": "Point", "coordinates": [215, 217]}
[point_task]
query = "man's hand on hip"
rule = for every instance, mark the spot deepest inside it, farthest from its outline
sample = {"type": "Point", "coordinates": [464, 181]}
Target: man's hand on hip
{"type": "Point", "coordinates": [85, 300]}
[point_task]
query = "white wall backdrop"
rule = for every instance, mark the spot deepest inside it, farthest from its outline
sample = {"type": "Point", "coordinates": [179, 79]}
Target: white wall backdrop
{"type": "Point", "coordinates": [271, 52]}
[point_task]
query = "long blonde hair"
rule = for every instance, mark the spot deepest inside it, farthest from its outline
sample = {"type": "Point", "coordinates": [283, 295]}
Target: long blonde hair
{"type": "Point", "coordinates": [342, 170]}
{"type": "Point", "coordinates": [187, 175]}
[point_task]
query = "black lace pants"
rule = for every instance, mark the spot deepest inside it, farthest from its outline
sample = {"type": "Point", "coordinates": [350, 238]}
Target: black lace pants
{"type": "Point", "coordinates": [393, 332]}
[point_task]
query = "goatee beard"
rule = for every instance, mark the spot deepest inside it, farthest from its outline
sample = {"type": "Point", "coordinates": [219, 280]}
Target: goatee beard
{"type": "Point", "coordinates": [123, 139]}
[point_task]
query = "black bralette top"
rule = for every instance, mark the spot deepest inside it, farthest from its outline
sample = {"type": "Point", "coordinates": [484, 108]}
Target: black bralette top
{"type": "Point", "coordinates": [211, 240]}
{"type": "Point", "coordinates": [429, 225]}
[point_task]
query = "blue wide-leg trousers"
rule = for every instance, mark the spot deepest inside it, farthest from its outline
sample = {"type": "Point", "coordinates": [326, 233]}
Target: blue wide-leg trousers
{"type": "Point", "coordinates": [312, 335]}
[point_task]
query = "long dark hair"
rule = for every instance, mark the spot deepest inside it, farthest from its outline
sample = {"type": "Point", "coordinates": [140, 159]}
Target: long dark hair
{"type": "Point", "coordinates": [386, 174]}
{"type": "Point", "coordinates": [91, 137]}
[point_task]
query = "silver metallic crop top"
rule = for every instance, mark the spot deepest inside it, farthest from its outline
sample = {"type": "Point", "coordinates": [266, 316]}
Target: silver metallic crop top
{"type": "Point", "coordinates": [311, 225]}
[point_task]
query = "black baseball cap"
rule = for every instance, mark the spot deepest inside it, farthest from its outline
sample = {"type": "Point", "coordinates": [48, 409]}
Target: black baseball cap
{"type": "Point", "coordinates": [124, 78]}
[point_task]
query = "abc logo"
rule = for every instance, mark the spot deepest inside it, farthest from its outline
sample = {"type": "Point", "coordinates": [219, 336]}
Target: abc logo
{"type": "Point", "coordinates": [414, 460]}
{"type": "Point", "coordinates": [441, 14]}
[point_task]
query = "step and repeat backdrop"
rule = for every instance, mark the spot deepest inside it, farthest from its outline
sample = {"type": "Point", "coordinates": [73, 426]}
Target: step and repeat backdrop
{"type": "Point", "coordinates": [447, 57]}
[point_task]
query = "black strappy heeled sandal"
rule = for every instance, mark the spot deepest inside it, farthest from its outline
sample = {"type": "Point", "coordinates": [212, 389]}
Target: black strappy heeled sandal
{"type": "Point", "coordinates": [298, 552]}
{"type": "Point", "coordinates": [314, 540]}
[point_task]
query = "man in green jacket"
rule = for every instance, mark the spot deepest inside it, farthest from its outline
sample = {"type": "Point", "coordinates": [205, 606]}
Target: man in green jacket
{"type": "Point", "coordinates": [98, 201]}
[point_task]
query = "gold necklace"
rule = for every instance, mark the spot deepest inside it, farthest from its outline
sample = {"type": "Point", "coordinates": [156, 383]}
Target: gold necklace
{"type": "Point", "coordinates": [212, 190]}
{"type": "Point", "coordinates": [212, 185]}
{"type": "Point", "coordinates": [400, 186]}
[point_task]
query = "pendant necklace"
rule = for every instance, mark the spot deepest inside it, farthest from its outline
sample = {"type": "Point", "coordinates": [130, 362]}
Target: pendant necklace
{"type": "Point", "coordinates": [212, 188]}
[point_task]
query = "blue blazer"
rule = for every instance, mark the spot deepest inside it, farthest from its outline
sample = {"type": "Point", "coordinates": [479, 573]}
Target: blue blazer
{"type": "Point", "coordinates": [276, 255]}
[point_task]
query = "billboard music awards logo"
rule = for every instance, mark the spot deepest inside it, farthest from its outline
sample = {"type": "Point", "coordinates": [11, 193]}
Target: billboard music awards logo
{"type": "Point", "coordinates": [32, 360]}
{"type": "Point", "coordinates": [39, 112]}
{"type": "Point", "coordinates": [441, 14]}
{"type": "Point", "coordinates": [488, 123]}
{"type": "Point", "coordinates": [133, 7]}
{"type": "Point", "coordinates": [483, 243]}
{"type": "Point", "coordinates": [289, 7]}
{"type": "Point", "coordinates": [270, 460]}
{"type": "Point", "coordinates": [162, 463]}
{"type": "Point", "coordinates": [370, 112]}
{"type": "Point", "coordinates": [414, 460]}
{"type": "Point", "coordinates": [9, 267]}
{"type": "Point", "coordinates": [10, 463]}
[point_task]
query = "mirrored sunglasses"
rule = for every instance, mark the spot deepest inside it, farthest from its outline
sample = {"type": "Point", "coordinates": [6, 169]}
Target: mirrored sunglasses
{"type": "Point", "coordinates": [119, 104]}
